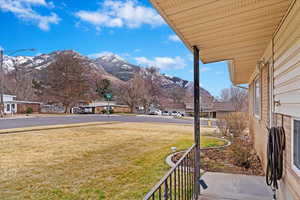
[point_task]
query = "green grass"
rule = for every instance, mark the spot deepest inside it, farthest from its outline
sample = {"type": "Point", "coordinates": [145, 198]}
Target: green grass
{"type": "Point", "coordinates": [98, 162]}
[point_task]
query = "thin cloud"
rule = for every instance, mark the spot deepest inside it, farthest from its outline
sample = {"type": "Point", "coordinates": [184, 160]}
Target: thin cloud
{"type": "Point", "coordinates": [121, 14]}
{"type": "Point", "coordinates": [205, 69]}
{"type": "Point", "coordinates": [100, 54]}
{"type": "Point", "coordinates": [162, 62]}
{"type": "Point", "coordinates": [174, 38]}
{"type": "Point", "coordinates": [108, 53]}
{"type": "Point", "coordinates": [23, 9]}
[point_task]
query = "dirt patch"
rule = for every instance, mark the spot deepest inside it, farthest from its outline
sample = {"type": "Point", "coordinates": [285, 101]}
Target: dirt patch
{"type": "Point", "coordinates": [225, 160]}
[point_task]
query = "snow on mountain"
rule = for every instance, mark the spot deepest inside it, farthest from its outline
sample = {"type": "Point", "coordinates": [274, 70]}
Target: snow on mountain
{"type": "Point", "coordinates": [110, 66]}
{"type": "Point", "coordinates": [117, 66]}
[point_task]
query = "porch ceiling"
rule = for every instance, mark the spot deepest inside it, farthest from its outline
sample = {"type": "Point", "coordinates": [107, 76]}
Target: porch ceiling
{"type": "Point", "coordinates": [236, 30]}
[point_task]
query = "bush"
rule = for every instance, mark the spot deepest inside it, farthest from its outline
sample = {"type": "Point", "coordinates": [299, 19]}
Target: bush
{"type": "Point", "coordinates": [105, 111]}
{"type": "Point", "coordinates": [223, 126]}
{"type": "Point", "coordinates": [242, 153]}
{"type": "Point", "coordinates": [29, 110]}
{"type": "Point", "coordinates": [235, 123]}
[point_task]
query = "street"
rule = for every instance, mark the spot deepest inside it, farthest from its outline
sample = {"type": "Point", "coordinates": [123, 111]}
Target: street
{"type": "Point", "coordinates": [61, 120]}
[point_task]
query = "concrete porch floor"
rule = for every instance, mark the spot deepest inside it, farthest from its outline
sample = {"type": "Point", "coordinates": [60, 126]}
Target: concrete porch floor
{"type": "Point", "coordinates": [223, 186]}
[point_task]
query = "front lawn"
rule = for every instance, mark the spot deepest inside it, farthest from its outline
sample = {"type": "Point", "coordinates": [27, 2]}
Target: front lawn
{"type": "Point", "coordinates": [100, 161]}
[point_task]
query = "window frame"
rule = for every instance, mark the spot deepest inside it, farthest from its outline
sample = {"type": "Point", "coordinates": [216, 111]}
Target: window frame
{"type": "Point", "coordinates": [257, 115]}
{"type": "Point", "coordinates": [293, 166]}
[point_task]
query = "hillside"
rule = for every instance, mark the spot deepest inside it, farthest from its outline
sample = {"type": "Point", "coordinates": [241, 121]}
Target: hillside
{"type": "Point", "coordinates": [110, 66]}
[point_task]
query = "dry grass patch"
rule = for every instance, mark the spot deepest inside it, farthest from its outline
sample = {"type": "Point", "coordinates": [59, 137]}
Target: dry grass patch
{"type": "Point", "coordinates": [100, 161]}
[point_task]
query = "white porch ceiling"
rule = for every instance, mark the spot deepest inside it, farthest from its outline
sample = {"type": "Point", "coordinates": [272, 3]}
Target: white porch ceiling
{"type": "Point", "coordinates": [236, 30]}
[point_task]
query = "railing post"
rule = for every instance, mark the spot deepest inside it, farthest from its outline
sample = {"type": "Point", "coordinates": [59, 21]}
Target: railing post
{"type": "Point", "coordinates": [197, 119]}
{"type": "Point", "coordinates": [166, 193]}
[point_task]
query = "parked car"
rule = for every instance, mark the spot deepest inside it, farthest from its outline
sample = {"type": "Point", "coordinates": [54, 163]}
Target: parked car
{"type": "Point", "coordinates": [176, 114]}
{"type": "Point", "coordinates": [165, 113]}
{"type": "Point", "coordinates": [155, 112]}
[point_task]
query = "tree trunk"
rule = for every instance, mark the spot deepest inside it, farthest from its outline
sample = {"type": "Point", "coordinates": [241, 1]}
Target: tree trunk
{"type": "Point", "coordinates": [67, 111]}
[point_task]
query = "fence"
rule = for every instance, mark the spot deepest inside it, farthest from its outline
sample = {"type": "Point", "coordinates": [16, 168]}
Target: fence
{"type": "Point", "coordinates": [179, 182]}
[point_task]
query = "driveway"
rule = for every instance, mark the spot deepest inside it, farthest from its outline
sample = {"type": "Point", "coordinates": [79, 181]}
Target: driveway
{"type": "Point", "coordinates": [9, 123]}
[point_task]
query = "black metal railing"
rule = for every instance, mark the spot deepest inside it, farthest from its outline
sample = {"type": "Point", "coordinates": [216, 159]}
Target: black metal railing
{"type": "Point", "coordinates": [179, 182]}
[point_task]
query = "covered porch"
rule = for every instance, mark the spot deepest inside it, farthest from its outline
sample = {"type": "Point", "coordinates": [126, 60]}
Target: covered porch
{"type": "Point", "coordinates": [237, 31]}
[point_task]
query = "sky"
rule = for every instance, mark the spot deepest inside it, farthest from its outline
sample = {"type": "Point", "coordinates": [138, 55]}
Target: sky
{"type": "Point", "coordinates": [130, 28]}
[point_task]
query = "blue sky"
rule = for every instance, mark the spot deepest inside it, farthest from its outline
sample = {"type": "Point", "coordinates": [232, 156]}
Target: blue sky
{"type": "Point", "coordinates": [131, 29]}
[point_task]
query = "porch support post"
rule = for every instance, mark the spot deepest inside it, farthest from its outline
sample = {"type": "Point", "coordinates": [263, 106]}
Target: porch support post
{"type": "Point", "coordinates": [197, 119]}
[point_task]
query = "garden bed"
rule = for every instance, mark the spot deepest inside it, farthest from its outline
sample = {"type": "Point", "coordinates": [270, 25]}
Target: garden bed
{"type": "Point", "coordinates": [228, 160]}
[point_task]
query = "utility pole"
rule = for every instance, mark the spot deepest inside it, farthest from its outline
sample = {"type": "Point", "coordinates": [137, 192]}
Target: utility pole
{"type": "Point", "coordinates": [1, 84]}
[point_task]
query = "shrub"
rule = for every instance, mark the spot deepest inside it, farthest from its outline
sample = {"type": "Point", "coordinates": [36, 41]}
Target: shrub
{"type": "Point", "coordinates": [236, 123]}
{"type": "Point", "coordinates": [29, 110]}
{"type": "Point", "coordinates": [242, 153]}
{"type": "Point", "coordinates": [223, 125]}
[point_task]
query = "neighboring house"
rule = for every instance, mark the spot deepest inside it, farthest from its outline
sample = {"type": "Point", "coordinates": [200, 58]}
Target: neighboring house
{"type": "Point", "coordinates": [261, 41]}
{"type": "Point", "coordinates": [23, 106]}
{"type": "Point", "coordinates": [212, 110]}
{"type": "Point", "coordinates": [51, 109]}
{"type": "Point", "coordinates": [12, 106]}
{"type": "Point", "coordinates": [98, 107]}
{"type": "Point", "coordinates": [9, 105]}
{"type": "Point", "coordinates": [178, 107]}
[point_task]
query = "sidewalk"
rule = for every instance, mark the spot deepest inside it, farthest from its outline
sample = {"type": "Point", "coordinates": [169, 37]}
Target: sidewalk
{"type": "Point", "coordinates": [223, 186]}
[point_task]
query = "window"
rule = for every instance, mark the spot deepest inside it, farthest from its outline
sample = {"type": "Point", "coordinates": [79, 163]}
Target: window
{"type": "Point", "coordinates": [8, 107]}
{"type": "Point", "coordinates": [256, 105]}
{"type": "Point", "coordinates": [13, 106]}
{"type": "Point", "coordinates": [296, 147]}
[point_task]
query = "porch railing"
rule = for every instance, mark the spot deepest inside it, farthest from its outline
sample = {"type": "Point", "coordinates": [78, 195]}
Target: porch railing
{"type": "Point", "coordinates": [179, 182]}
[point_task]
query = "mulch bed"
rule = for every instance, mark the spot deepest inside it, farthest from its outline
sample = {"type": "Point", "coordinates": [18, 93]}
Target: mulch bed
{"type": "Point", "coordinates": [224, 160]}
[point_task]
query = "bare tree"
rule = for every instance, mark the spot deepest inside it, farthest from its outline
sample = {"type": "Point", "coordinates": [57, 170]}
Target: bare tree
{"type": "Point", "coordinates": [67, 80]}
{"type": "Point", "coordinates": [153, 85]}
{"type": "Point", "coordinates": [19, 80]}
{"type": "Point", "coordinates": [134, 92]}
{"type": "Point", "coordinates": [237, 96]}
{"type": "Point", "coordinates": [177, 94]}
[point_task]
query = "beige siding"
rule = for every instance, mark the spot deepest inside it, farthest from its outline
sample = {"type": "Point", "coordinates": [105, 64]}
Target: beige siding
{"type": "Point", "coordinates": [287, 65]}
{"type": "Point", "coordinates": [286, 79]}
{"type": "Point", "coordinates": [290, 184]}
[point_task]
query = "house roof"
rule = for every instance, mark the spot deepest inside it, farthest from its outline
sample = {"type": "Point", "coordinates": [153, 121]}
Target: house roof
{"type": "Point", "coordinates": [234, 30]}
{"type": "Point", "coordinates": [9, 95]}
{"type": "Point", "coordinates": [213, 107]}
{"type": "Point", "coordinates": [23, 102]}
{"type": "Point", "coordinates": [223, 106]}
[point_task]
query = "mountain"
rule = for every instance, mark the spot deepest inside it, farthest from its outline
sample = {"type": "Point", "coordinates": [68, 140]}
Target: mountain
{"type": "Point", "coordinates": [109, 66]}
{"type": "Point", "coordinates": [118, 67]}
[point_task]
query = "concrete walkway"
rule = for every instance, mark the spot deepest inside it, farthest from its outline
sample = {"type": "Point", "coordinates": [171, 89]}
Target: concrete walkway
{"type": "Point", "coordinates": [223, 186]}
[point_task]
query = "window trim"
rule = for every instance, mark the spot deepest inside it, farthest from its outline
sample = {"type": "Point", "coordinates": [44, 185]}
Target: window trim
{"type": "Point", "coordinates": [254, 97]}
{"type": "Point", "coordinates": [293, 166]}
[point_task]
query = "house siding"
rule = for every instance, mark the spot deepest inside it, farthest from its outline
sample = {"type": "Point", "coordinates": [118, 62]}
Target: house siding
{"type": "Point", "coordinates": [258, 126]}
{"type": "Point", "coordinates": [286, 94]}
{"type": "Point", "coordinates": [23, 107]}
{"type": "Point", "coordinates": [287, 65]}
